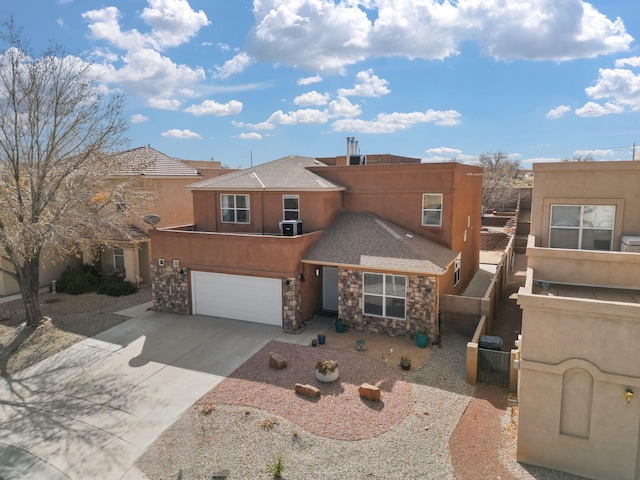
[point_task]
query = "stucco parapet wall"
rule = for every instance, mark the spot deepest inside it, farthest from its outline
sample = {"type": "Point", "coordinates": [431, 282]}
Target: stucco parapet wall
{"type": "Point", "coordinates": [244, 254]}
{"type": "Point", "coordinates": [584, 267]}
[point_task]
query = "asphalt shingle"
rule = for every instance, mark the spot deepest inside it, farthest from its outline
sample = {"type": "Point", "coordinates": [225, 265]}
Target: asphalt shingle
{"type": "Point", "coordinates": [288, 173]}
{"type": "Point", "coordinates": [365, 240]}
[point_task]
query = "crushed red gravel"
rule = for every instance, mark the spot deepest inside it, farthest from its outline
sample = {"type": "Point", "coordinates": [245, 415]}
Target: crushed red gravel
{"type": "Point", "coordinates": [257, 385]}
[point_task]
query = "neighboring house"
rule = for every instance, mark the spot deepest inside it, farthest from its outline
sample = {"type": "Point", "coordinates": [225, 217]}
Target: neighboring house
{"type": "Point", "coordinates": [165, 178]}
{"type": "Point", "coordinates": [374, 243]}
{"type": "Point", "coordinates": [579, 356]}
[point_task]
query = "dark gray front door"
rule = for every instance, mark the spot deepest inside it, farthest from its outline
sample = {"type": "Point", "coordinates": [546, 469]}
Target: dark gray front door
{"type": "Point", "coordinates": [330, 289]}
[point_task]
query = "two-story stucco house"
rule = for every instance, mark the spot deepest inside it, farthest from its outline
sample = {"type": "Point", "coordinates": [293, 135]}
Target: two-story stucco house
{"type": "Point", "coordinates": [579, 377]}
{"type": "Point", "coordinates": [374, 241]}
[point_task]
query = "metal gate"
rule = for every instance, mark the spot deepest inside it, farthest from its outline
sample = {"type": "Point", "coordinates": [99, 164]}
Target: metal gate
{"type": "Point", "coordinates": [494, 367]}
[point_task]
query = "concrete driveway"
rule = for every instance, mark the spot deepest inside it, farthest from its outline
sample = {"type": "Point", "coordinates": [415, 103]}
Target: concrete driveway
{"type": "Point", "coordinates": [91, 410]}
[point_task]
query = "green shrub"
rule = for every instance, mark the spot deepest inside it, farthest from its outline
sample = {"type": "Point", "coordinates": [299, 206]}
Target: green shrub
{"type": "Point", "coordinates": [116, 287]}
{"type": "Point", "coordinates": [77, 280]}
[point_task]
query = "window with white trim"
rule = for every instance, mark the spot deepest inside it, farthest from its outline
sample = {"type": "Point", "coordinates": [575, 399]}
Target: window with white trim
{"type": "Point", "coordinates": [582, 227]}
{"type": "Point", "coordinates": [456, 271]}
{"type": "Point", "coordinates": [235, 208]}
{"type": "Point", "coordinates": [431, 209]}
{"type": "Point", "coordinates": [384, 295]}
{"type": "Point", "coordinates": [290, 207]}
{"type": "Point", "coordinates": [118, 259]}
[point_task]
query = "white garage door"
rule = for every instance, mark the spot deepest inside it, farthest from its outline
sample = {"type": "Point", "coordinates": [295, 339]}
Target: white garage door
{"type": "Point", "coordinates": [254, 299]}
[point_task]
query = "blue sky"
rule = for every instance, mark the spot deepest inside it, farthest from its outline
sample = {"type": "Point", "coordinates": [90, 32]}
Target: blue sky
{"type": "Point", "coordinates": [540, 80]}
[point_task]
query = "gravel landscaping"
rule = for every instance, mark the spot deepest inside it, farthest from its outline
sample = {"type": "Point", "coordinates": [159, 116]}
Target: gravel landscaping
{"type": "Point", "coordinates": [236, 441]}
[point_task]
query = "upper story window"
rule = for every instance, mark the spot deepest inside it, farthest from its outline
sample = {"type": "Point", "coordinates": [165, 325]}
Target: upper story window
{"type": "Point", "coordinates": [290, 207]}
{"type": "Point", "coordinates": [235, 208]}
{"type": "Point", "coordinates": [583, 227]}
{"type": "Point", "coordinates": [431, 209]}
{"type": "Point", "coordinates": [456, 271]}
{"type": "Point", "coordinates": [384, 295]}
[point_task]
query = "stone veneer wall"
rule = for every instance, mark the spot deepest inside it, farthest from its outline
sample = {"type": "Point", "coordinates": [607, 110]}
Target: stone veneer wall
{"type": "Point", "coordinates": [169, 293]}
{"type": "Point", "coordinates": [421, 306]}
{"type": "Point", "coordinates": [291, 305]}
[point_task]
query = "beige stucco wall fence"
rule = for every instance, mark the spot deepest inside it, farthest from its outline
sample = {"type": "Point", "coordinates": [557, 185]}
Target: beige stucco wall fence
{"type": "Point", "coordinates": [452, 306]}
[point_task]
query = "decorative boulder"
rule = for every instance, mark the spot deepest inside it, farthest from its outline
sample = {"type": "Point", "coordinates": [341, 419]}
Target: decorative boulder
{"type": "Point", "coordinates": [307, 390]}
{"type": "Point", "coordinates": [277, 361]}
{"type": "Point", "coordinates": [369, 392]}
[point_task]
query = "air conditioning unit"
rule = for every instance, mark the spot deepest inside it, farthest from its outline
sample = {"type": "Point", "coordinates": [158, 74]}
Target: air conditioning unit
{"type": "Point", "coordinates": [357, 160]}
{"type": "Point", "coordinates": [291, 228]}
{"type": "Point", "coordinates": [630, 244]}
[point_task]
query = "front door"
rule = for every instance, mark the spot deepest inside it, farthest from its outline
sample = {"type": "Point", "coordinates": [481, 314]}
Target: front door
{"type": "Point", "coordinates": [330, 289]}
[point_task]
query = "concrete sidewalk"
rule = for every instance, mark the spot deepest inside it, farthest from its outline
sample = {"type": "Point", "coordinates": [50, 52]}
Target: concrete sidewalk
{"type": "Point", "coordinates": [91, 410]}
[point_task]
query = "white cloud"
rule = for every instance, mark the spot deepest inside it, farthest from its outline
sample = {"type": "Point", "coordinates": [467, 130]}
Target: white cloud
{"type": "Point", "coordinates": [367, 85]}
{"type": "Point", "coordinates": [139, 118]}
{"type": "Point", "coordinates": [326, 36]}
{"type": "Point", "coordinates": [342, 107]}
{"type": "Point", "coordinates": [175, 133]}
{"type": "Point", "coordinates": [443, 151]}
{"type": "Point", "coordinates": [173, 21]}
{"type": "Point", "coordinates": [631, 62]}
{"type": "Point", "coordinates": [164, 103]}
{"type": "Point", "coordinates": [209, 107]}
{"type": "Point", "coordinates": [60, 22]}
{"type": "Point", "coordinates": [224, 47]}
{"type": "Point", "coordinates": [303, 116]}
{"type": "Point", "coordinates": [558, 111]}
{"type": "Point", "coordinates": [593, 109]}
{"type": "Point", "coordinates": [622, 86]}
{"type": "Point", "coordinates": [309, 80]}
{"type": "Point", "coordinates": [143, 70]}
{"type": "Point", "coordinates": [594, 153]}
{"type": "Point", "coordinates": [312, 98]}
{"type": "Point", "coordinates": [393, 122]}
{"type": "Point", "coordinates": [250, 136]}
{"type": "Point", "coordinates": [254, 126]}
{"type": "Point", "coordinates": [235, 65]}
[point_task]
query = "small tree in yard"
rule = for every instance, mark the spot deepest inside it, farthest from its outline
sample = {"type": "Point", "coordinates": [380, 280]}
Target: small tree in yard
{"type": "Point", "coordinates": [56, 184]}
{"type": "Point", "coordinates": [499, 172]}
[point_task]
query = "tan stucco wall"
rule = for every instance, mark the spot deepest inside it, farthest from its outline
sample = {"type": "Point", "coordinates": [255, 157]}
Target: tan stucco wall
{"type": "Point", "coordinates": [258, 255]}
{"type": "Point", "coordinates": [587, 183]}
{"type": "Point", "coordinates": [394, 192]}
{"type": "Point", "coordinates": [317, 210]}
{"type": "Point", "coordinates": [48, 271]}
{"type": "Point", "coordinates": [598, 339]}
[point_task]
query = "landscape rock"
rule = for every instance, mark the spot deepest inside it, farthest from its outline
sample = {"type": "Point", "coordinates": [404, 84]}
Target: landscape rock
{"type": "Point", "coordinates": [307, 390]}
{"type": "Point", "coordinates": [369, 391]}
{"type": "Point", "coordinates": [277, 361]}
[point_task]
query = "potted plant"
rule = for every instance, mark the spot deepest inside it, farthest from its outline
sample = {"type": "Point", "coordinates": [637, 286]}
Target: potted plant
{"type": "Point", "coordinates": [321, 338]}
{"type": "Point", "coordinates": [340, 325]}
{"type": "Point", "coordinates": [361, 345]}
{"type": "Point", "coordinates": [327, 370]}
{"type": "Point", "coordinates": [405, 362]}
{"type": "Point", "coordinates": [422, 338]}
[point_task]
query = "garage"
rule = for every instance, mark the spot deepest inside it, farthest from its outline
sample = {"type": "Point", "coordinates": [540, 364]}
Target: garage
{"type": "Point", "coordinates": [253, 299]}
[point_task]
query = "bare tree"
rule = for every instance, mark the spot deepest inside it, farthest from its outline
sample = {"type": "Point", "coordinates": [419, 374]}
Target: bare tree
{"type": "Point", "coordinates": [499, 172]}
{"type": "Point", "coordinates": [580, 158]}
{"type": "Point", "coordinates": [56, 191]}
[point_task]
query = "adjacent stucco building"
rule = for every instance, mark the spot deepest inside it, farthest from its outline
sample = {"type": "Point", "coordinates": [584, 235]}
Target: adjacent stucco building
{"type": "Point", "coordinates": [579, 358]}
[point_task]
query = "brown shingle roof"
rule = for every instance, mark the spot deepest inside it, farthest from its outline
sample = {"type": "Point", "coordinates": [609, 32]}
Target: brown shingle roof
{"type": "Point", "coordinates": [362, 239]}
{"type": "Point", "coordinates": [288, 173]}
{"type": "Point", "coordinates": [153, 163]}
